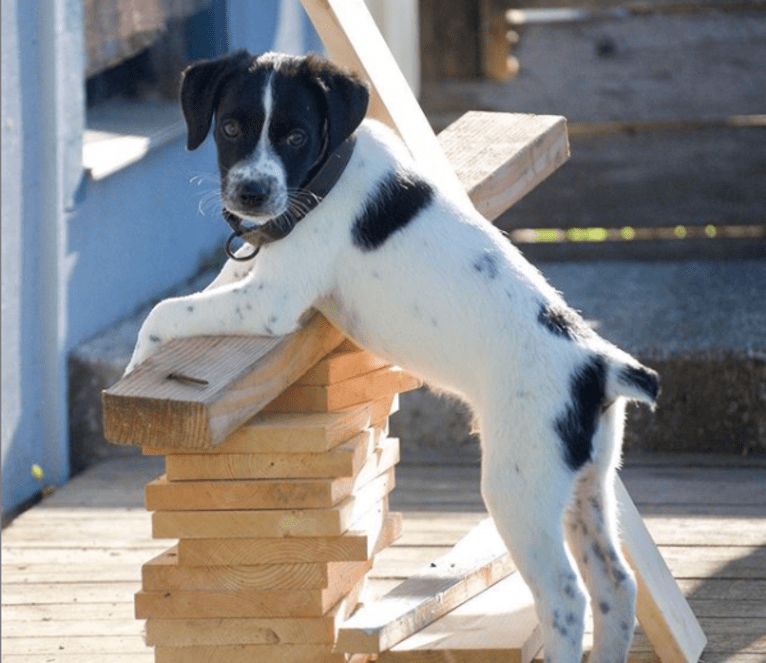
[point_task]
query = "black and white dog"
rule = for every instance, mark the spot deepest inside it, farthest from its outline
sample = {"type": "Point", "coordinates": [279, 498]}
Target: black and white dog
{"type": "Point", "coordinates": [347, 224]}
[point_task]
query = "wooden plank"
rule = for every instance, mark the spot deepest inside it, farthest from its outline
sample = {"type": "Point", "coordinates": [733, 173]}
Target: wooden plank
{"type": "Point", "coordinates": [345, 460]}
{"type": "Point", "coordinates": [275, 523]}
{"type": "Point", "coordinates": [373, 532]}
{"type": "Point", "coordinates": [342, 395]}
{"type": "Point", "coordinates": [165, 495]}
{"type": "Point", "coordinates": [297, 433]}
{"type": "Point", "coordinates": [352, 39]}
{"type": "Point", "coordinates": [479, 560]}
{"type": "Point", "coordinates": [500, 157]}
{"type": "Point", "coordinates": [500, 623]}
{"type": "Point", "coordinates": [345, 362]}
{"type": "Point", "coordinates": [661, 608]}
{"type": "Point", "coordinates": [248, 654]}
{"type": "Point", "coordinates": [241, 374]}
{"type": "Point", "coordinates": [253, 630]}
{"type": "Point", "coordinates": [237, 603]}
{"type": "Point", "coordinates": [164, 572]}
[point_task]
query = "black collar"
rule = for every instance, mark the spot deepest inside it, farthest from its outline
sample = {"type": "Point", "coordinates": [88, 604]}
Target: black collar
{"type": "Point", "coordinates": [301, 203]}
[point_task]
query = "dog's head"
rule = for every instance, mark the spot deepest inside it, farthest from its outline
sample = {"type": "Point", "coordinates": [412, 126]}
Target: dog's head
{"type": "Point", "coordinates": [277, 120]}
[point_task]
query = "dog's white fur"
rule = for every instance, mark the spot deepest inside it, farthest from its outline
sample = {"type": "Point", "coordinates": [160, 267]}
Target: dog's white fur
{"type": "Point", "coordinates": [450, 299]}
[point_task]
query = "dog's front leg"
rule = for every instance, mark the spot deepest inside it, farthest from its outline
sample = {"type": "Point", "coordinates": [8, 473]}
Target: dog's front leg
{"type": "Point", "coordinates": [245, 307]}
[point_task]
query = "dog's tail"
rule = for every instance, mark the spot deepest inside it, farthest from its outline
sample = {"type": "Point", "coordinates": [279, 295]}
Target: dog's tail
{"type": "Point", "coordinates": [628, 379]}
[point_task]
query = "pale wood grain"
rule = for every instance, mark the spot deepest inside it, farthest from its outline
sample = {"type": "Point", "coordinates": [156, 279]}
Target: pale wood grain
{"type": "Point", "coordinates": [500, 157]}
{"type": "Point", "coordinates": [499, 624]}
{"type": "Point", "coordinates": [478, 561]}
{"type": "Point", "coordinates": [662, 609]}
{"type": "Point", "coordinates": [297, 433]}
{"type": "Point", "coordinates": [165, 495]}
{"type": "Point", "coordinates": [242, 375]}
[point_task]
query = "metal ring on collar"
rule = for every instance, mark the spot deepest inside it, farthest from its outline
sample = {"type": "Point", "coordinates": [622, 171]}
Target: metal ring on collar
{"type": "Point", "coordinates": [232, 254]}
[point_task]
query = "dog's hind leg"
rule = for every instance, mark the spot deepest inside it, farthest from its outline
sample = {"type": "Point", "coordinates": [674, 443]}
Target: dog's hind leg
{"type": "Point", "coordinates": [594, 542]}
{"type": "Point", "coordinates": [527, 501]}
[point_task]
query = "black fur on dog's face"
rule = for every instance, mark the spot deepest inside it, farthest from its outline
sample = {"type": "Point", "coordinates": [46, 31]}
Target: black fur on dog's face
{"type": "Point", "coordinates": [277, 119]}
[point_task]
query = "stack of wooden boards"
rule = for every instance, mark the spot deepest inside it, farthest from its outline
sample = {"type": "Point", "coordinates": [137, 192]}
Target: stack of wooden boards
{"type": "Point", "coordinates": [278, 524]}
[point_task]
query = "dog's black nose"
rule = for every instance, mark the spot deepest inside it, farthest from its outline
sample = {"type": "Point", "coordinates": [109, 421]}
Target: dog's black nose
{"type": "Point", "coordinates": [253, 195]}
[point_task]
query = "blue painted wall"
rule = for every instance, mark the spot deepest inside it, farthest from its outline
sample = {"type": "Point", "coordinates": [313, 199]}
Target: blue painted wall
{"type": "Point", "coordinates": [78, 255]}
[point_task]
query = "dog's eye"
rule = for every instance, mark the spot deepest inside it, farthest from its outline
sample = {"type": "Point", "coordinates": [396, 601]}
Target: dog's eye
{"type": "Point", "coordinates": [296, 138]}
{"type": "Point", "coordinates": [230, 128]}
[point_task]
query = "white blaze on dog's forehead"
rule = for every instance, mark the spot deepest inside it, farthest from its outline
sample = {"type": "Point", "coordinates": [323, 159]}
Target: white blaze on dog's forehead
{"type": "Point", "coordinates": [263, 163]}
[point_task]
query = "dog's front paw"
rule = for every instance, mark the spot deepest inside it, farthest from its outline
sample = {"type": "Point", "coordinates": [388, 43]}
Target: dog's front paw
{"type": "Point", "coordinates": [145, 348]}
{"type": "Point", "coordinates": [152, 335]}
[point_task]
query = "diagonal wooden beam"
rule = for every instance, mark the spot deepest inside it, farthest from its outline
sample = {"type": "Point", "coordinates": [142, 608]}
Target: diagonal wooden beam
{"type": "Point", "coordinates": [662, 609]}
{"type": "Point", "coordinates": [353, 40]}
{"type": "Point", "coordinates": [479, 560]}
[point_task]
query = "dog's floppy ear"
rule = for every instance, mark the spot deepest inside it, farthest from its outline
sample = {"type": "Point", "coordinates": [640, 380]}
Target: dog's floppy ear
{"type": "Point", "coordinates": [347, 98]}
{"type": "Point", "coordinates": [200, 91]}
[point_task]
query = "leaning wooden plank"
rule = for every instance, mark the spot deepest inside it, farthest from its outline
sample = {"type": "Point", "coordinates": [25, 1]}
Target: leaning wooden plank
{"type": "Point", "coordinates": [297, 433]}
{"type": "Point", "coordinates": [500, 157]}
{"type": "Point", "coordinates": [352, 39]}
{"type": "Point", "coordinates": [500, 624]}
{"type": "Point", "coordinates": [479, 560]}
{"type": "Point", "coordinates": [223, 382]}
{"type": "Point", "coordinates": [661, 608]}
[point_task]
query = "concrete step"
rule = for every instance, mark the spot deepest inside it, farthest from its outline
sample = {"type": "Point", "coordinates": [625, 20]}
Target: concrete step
{"type": "Point", "coordinates": [701, 324]}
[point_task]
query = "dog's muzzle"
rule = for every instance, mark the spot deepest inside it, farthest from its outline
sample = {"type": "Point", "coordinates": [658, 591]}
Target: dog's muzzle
{"type": "Point", "coordinates": [303, 202]}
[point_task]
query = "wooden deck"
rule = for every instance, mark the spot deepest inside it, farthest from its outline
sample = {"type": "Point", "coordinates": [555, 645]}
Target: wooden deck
{"type": "Point", "coordinates": [71, 565]}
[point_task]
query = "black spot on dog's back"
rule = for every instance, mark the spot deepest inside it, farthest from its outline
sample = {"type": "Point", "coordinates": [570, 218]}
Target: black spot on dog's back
{"type": "Point", "coordinates": [396, 201]}
{"type": "Point", "coordinates": [643, 379]}
{"type": "Point", "coordinates": [487, 265]}
{"type": "Point", "coordinates": [562, 321]}
{"type": "Point", "coordinates": [576, 426]}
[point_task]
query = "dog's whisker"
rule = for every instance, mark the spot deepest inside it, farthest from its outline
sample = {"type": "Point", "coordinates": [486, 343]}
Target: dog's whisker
{"type": "Point", "coordinates": [209, 201]}
{"type": "Point", "coordinates": [203, 177]}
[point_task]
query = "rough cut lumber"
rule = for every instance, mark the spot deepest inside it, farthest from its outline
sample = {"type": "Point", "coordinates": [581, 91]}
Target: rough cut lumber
{"type": "Point", "coordinates": [346, 361]}
{"type": "Point", "coordinates": [352, 39]}
{"type": "Point", "coordinates": [342, 395]}
{"type": "Point", "coordinates": [164, 572]}
{"type": "Point", "coordinates": [223, 604]}
{"type": "Point", "coordinates": [479, 560]}
{"type": "Point", "coordinates": [272, 523]}
{"type": "Point", "coordinates": [249, 654]}
{"type": "Point", "coordinates": [511, 153]}
{"type": "Point", "coordinates": [297, 433]}
{"type": "Point", "coordinates": [345, 460]}
{"type": "Point", "coordinates": [253, 630]}
{"type": "Point", "coordinates": [661, 608]}
{"type": "Point", "coordinates": [500, 624]}
{"type": "Point", "coordinates": [164, 495]}
{"type": "Point", "coordinates": [375, 531]}
{"type": "Point", "coordinates": [240, 374]}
